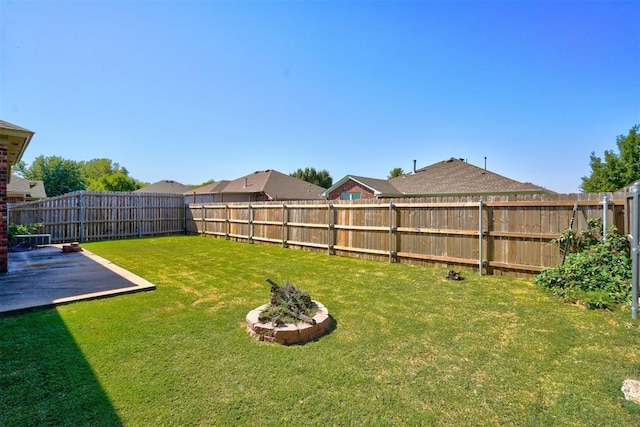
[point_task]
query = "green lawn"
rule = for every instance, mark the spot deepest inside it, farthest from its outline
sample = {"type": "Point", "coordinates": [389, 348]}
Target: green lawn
{"type": "Point", "coordinates": [409, 348]}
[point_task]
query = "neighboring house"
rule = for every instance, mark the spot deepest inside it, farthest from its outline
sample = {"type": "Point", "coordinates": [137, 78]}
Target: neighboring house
{"type": "Point", "coordinates": [353, 187]}
{"type": "Point", "coordinates": [261, 186]}
{"type": "Point", "coordinates": [13, 142]}
{"type": "Point", "coordinates": [210, 193]}
{"type": "Point", "coordinates": [164, 186]}
{"type": "Point", "coordinates": [24, 190]}
{"type": "Point", "coordinates": [451, 177]}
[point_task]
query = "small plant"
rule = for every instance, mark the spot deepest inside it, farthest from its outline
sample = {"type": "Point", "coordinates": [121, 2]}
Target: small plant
{"type": "Point", "coordinates": [595, 273]}
{"type": "Point", "coordinates": [18, 229]}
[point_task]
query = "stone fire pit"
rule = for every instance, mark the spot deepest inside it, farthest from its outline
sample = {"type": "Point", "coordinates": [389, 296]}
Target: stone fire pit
{"type": "Point", "coordinates": [297, 333]}
{"type": "Point", "coordinates": [290, 318]}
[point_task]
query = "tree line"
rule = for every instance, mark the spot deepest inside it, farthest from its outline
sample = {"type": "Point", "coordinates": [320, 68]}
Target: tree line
{"type": "Point", "coordinates": [61, 176]}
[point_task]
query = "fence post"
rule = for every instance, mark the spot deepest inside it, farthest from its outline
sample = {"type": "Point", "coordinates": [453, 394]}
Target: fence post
{"type": "Point", "coordinates": [250, 224]}
{"type": "Point", "coordinates": [226, 222]}
{"type": "Point", "coordinates": [203, 224]}
{"type": "Point", "coordinates": [330, 215]}
{"type": "Point", "coordinates": [285, 219]}
{"type": "Point", "coordinates": [82, 213]}
{"type": "Point", "coordinates": [635, 216]}
{"type": "Point", "coordinates": [184, 218]}
{"type": "Point", "coordinates": [480, 235]}
{"type": "Point", "coordinates": [139, 214]}
{"type": "Point", "coordinates": [605, 213]}
{"type": "Point", "coordinates": [390, 232]}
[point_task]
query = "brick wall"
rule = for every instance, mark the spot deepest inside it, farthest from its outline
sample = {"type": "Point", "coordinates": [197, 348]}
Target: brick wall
{"type": "Point", "coordinates": [4, 179]}
{"type": "Point", "coordinates": [351, 187]}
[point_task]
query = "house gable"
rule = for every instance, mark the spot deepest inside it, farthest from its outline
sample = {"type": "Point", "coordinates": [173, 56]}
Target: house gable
{"type": "Point", "coordinates": [22, 190]}
{"type": "Point", "coordinates": [350, 187]}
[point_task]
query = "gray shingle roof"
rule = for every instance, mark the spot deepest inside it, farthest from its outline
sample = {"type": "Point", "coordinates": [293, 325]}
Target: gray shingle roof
{"type": "Point", "coordinates": [276, 185]}
{"type": "Point", "coordinates": [31, 189]}
{"type": "Point", "coordinates": [164, 186]}
{"type": "Point", "coordinates": [213, 188]}
{"type": "Point", "coordinates": [455, 176]}
{"type": "Point", "coordinates": [11, 126]}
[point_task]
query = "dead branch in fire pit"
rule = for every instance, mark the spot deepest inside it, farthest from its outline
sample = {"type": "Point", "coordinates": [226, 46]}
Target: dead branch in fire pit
{"type": "Point", "coordinates": [288, 302]}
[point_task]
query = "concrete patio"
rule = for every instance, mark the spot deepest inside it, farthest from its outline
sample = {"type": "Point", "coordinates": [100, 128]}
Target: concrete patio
{"type": "Point", "coordinates": [47, 276]}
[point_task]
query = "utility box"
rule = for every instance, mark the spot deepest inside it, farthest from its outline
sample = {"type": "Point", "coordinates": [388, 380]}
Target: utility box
{"type": "Point", "coordinates": [31, 239]}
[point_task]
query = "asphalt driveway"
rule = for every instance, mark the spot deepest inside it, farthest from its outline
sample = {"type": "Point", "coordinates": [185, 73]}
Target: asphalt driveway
{"type": "Point", "coordinates": [47, 276]}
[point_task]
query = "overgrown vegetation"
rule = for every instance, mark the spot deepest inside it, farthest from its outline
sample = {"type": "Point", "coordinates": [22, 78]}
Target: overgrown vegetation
{"type": "Point", "coordinates": [596, 272]}
{"type": "Point", "coordinates": [18, 229]}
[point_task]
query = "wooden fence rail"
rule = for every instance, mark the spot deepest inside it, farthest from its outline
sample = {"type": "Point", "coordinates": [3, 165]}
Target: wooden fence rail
{"type": "Point", "coordinates": [497, 234]}
{"type": "Point", "coordinates": [83, 216]}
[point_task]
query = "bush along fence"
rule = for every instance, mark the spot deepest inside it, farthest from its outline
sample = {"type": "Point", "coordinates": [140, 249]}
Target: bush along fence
{"type": "Point", "coordinates": [83, 216]}
{"type": "Point", "coordinates": [495, 234]}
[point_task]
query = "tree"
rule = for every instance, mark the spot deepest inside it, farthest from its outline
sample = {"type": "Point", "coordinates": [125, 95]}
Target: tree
{"type": "Point", "coordinates": [59, 175]}
{"type": "Point", "coordinates": [96, 168]}
{"type": "Point", "coordinates": [119, 181]}
{"type": "Point", "coordinates": [321, 178]}
{"type": "Point", "coordinates": [106, 175]}
{"type": "Point", "coordinates": [395, 172]}
{"type": "Point", "coordinates": [194, 186]}
{"type": "Point", "coordinates": [19, 169]}
{"type": "Point", "coordinates": [618, 169]}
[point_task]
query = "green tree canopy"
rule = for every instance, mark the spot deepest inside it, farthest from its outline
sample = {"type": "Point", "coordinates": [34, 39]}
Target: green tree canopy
{"type": "Point", "coordinates": [59, 175]}
{"type": "Point", "coordinates": [118, 181]}
{"type": "Point", "coordinates": [19, 169]}
{"type": "Point", "coordinates": [96, 168]}
{"type": "Point", "coordinates": [321, 178]}
{"type": "Point", "coordinates": [211, 181]}
{"type": "Point", "coordinates": [395, 172]}
{"type": "Point", "coordinates": [106, 175]}
{"type": "Point", "coordinates": [618, 169]}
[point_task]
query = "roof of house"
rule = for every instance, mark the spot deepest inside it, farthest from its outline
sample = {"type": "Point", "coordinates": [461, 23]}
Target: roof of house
{"type": "Point", "coordinates": [274, 184]}
{"type": "Point", "coordinates": [455, 176]}
{"type": "Point", "coordinates": [379, 187]}
{"type": "Point", "coordinates": [164, 186]}
{"type": "Point", "coordinates": [16, 138]}
{"type": "Point", "coordinates": [451, 176]}
{"type": "Point", "coordinates": [213, 188]}
{"type": "Point", "coordinates": [30, 188]}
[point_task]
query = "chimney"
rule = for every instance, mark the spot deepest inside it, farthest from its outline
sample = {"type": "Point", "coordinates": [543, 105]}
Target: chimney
{"type": "Point", "coordinates": [485, 162]}
{"type": "Point", "coordinates": [244, 184]}
{"type": "Point", "coordinates": [414, 165]}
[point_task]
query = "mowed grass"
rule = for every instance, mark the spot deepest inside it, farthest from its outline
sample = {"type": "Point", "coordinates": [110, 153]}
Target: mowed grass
{"type": "Point", "coordinates": [409, 348]}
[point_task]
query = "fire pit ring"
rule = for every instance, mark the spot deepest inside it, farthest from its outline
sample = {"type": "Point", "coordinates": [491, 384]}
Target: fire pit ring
{"type": "Point", "coordinates": [289, 333]}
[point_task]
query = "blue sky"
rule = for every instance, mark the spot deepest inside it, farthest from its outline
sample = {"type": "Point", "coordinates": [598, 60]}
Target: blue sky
{"type": "Point", "coordinates": [199, 90]}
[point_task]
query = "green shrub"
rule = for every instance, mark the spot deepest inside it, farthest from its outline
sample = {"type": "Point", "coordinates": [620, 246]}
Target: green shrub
{"type": "Point", "coordinates": [595, 273]}
{"type": "Point", "coordinates": [18, 229]}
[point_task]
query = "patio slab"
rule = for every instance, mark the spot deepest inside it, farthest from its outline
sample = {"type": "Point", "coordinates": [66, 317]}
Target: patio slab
{"type": "Point", "coordinates": [47, 277]}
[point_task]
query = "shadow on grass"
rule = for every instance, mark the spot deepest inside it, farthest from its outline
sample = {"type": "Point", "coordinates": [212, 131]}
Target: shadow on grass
{"type": "Point", "coordinates": [44, 377]}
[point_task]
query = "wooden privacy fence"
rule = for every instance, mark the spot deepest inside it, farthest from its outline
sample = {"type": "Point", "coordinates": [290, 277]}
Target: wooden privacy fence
{"type": "Point", "coordinates": [496, 234]}
{"type": "Point", "coordinates": [83, 216]}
